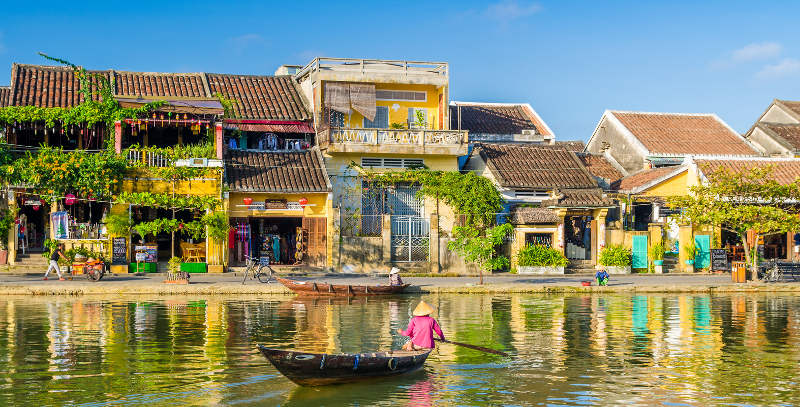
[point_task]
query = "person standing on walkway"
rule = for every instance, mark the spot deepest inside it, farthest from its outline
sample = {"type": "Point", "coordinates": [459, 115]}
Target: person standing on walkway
{"type": "Point", "coordinates": [58, 253]}
{"type": "Point", "coordinates": [421, 328]}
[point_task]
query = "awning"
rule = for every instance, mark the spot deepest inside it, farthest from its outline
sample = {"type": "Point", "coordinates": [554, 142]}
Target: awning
{"type": "Point", "coordinates": [181, 105]}
{"type": "Point", "coordinates": [362, 99]}
{"type": "Point", "coordinates": [272, 126]}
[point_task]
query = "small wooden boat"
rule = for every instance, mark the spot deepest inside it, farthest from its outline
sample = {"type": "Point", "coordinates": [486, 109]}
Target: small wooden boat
{"type": "Point", "coordinates": [315, 288]}
{"type": "Point", "coordinates": [319, 369]}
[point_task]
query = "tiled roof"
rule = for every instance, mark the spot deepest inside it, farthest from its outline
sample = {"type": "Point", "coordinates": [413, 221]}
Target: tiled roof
{"type": "Point", "coordinates": [792, 105]}
{"type": "Point", "coordinates": [524, 167]}
{"type": "Point", "coordinates": [673, 133]}
{"type": "Point", "coordinates": [160, 84]}
{"type": "Point", "coordinates": [522, 215]}
{"type": "Point", "coordinates": [641, 178]}
{"type": "Point", "coordinates": [599, 166]}
{"type": "Point", "coordinates": [788, 132]}
{"type": "Point", "coordinates": [256, 171]}
{"type": "Point", "coordinates": [582, 198]}
{"type": "Point", "coordinates": [258, 97]}
{"type": "Point", "coordinates": [489, 118]}
{"type": "Point", "coordinates": [571, 145]}
{"type": "Point", "coordinates": [47, 86]}
{"type": "Point", "coordinates": [261, 97]}
{"type": "Point", "coordinates": [784, 171]}
{"type": "Point", "coordinates": [5, 91]}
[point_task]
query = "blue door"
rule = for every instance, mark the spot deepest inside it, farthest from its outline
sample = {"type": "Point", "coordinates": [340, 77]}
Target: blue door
{"type": "Point", "coordinates": [639, 252]}
{"type": "Point", "coordinates": [702, 257]}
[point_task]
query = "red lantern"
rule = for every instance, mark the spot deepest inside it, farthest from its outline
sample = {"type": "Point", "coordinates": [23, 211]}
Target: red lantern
{"type": "Point", "coordinates": [70, 199]}
{"type": "Point", "coordinates": [36, 207]}
{"type": "Point", "coordinates": [303, 201]}
{"type": "Point", "coordinates": [247, 201]}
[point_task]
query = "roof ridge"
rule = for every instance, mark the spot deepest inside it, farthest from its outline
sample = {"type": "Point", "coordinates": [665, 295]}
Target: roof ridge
{"type": "Point", "coordinates": [663, 113]}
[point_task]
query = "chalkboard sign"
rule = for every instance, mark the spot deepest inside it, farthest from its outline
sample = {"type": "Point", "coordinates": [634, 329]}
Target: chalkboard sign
{"type": "Point", "coordinates": [719, 260]}
{"type": "Point", "coordinates": [119, 250]}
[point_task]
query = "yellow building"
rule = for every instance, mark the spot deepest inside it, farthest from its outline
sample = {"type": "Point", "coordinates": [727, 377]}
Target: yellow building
{"type": "Point", "coordinates": [384, 116]}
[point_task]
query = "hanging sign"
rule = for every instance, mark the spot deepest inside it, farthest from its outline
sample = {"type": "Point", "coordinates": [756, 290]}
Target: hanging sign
{"type": "Point", "coordinates": [31, 202]}
{"type": "Point", "coordinates": [275, 204]}
{"type": "Point", "coordinates": [119, 250]}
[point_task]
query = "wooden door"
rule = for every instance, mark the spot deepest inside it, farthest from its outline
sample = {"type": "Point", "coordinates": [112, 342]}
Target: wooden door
{"type": "Point", "coordinates": [702, 257]}
{"type": "Point", "coordinates": [316, 229]}
{"type": "Point", "coordinates": [639, 252]}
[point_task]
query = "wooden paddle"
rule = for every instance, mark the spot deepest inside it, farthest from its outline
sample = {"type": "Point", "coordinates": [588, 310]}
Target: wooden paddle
{"type": "Point", "coordinates": [480, 348]}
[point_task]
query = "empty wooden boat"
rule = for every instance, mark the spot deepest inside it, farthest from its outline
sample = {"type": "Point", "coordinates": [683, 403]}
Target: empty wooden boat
{"type": "Point", "coordinates": [315, 288]}
{"type": "Point", "coordinates": [319, 369]}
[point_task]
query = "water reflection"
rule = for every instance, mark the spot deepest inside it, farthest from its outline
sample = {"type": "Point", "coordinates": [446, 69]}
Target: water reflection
{"type": "Point", "coordinates": [568, 350]}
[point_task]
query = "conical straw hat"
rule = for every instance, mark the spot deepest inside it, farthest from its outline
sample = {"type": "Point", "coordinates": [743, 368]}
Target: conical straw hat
{"type": "Point", "coordinates": [422, 309]}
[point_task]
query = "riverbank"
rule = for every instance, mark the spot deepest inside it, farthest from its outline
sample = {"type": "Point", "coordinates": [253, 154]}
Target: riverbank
{"type": "Point", "coordinates": [231, 284]}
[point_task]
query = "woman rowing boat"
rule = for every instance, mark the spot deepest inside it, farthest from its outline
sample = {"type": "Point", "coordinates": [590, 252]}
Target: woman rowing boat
{"type": "Point", "coordinates": [421, 328]}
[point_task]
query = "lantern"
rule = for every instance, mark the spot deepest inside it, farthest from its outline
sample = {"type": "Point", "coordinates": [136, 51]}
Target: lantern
{"type": "Point", "coordinates": [70, 199]}
{"type": "Point", "coordinates": [35, 207]}
{"type": "Point", "coordinates": [303, 201]}
{"type": "Point", "coordinates": [247, 201]}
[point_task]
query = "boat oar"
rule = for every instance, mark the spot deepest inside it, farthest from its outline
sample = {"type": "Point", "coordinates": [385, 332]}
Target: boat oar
{"type": "Point", "coordinates": [480, 348]}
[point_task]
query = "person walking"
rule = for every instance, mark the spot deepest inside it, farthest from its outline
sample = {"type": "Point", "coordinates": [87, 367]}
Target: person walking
{"type": "Point", "coordinates": [58, 253]}
{"type": "Point", "coordinates": [421, 328]}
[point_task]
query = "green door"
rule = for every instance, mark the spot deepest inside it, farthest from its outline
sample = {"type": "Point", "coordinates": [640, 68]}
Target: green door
{"type": "Point", "coordinates": [639, 253]}
{"type": "Point", "coordinates": [702, 258]}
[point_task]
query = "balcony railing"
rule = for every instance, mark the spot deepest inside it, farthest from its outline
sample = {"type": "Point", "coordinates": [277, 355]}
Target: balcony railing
{"type": "Point", "coordinates": [149, 158]}
{"type": "Point", "coordinates": [402, 137]}
{"type": "Point", "coordinates": [375, 66]}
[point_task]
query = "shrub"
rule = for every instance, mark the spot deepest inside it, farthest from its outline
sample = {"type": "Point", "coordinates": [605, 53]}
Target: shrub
{"type": "Point", "coordinates": [657, 252]}
{"type": "Point", "coordinates": [540, 256]}
{"type": "Point", "coordinates": [616, 256]}
{"type": "Point", "coordinates": [690, 250]}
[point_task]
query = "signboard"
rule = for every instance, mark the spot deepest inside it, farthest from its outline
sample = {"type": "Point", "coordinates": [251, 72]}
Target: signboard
{"type": "Point", "coordinates": [669, 211]}
{"type": "Point", "coordinates": [119, 250]}
{"type": "Point", "coordinates": [275, 204]}
{"type": "Point", "coordinates": [147, 254]}
{"type": "Point", "coordinates": [719, 260]}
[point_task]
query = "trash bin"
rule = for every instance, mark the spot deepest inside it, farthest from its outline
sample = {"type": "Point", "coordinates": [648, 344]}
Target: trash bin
{"type": "Point", "coordinates": [739, 271]}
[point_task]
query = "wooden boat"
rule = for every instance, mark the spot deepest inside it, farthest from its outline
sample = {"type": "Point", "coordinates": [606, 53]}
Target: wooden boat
{"type": "Point", "coordinates": [315, 288]}
{"type": "Point", "coordinates": [319, 369]}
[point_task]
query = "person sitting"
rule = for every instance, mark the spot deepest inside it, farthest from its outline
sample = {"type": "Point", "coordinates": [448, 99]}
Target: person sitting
{"type": "Point", "coordinates": [421, 328]}
{"type": "Point", "coordinates": [602, 277]}
{"type": "Point", "coordinates": [394, 277]}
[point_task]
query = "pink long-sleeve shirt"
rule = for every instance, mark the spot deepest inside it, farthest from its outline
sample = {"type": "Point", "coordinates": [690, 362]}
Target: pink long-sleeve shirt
{"type": "Point", "coordinates": [420, 330]}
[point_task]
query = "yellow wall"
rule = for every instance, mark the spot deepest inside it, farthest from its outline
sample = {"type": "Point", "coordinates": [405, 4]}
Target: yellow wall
{"type": "Point", "coordinates": [205, 186]}
{"type": "Point", "coordinates": [675, 186]}
{"type": "Point", "coordinates": [400, 115]}
{"type": "Point", "coordinates": [337, 163]}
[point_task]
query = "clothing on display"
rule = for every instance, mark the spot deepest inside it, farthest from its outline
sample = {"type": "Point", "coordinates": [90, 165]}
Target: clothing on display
{"type": "Point", "coordinates": [268, 142]}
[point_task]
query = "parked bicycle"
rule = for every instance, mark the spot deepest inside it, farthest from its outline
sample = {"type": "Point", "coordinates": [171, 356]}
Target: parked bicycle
{"type": "Point", "coordinates": [258, 268]}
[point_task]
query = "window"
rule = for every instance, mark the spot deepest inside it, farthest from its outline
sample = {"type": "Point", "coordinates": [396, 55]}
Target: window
{"type": "Point", "coordinates": [416, 113]}
{"type": "Point", "coordinates": [392, 162]}
{"type": "Point", "coordinates": [337, 119]}
{"type": "Point", "coordinates": [381, 119]}
{"type": "Point", "coordinates": [401, 95]}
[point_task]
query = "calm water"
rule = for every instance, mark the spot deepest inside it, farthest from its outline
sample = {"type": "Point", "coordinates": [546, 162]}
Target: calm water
{"type": "Point", "coordinates": [567, 350]}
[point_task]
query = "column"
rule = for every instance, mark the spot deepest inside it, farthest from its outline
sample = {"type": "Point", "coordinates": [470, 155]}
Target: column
{"type": "Point", "coordinates": [433, 257]}
{"type": "Point", "coordinates": [118, 137]}
{"type": "Point", "coordinates": [386, 235]}
{"type": "Point", "coordinates": [218, 139]}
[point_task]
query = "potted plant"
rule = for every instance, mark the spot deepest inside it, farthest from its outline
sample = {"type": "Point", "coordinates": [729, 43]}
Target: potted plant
{"type": "Point", "coordinates": [657, 254]}
{"type": "Point", "coordinates": [174, 274]}
{"type": "Point", "coordinates": [616, 259]}
{"type": "Point", "coordinates": [539, 259]}
{"type": "Point", "coordinates": [690, 251]}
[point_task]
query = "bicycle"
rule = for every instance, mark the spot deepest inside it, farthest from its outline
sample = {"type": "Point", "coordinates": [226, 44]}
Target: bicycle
{"type": "Point", "coordinates": [258, 268]}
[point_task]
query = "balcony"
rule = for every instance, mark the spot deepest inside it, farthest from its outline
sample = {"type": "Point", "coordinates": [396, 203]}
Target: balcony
{"type": "Point", "coordinates": [375, 70]}
{"type": "Point", "coordinates": [393, 141]}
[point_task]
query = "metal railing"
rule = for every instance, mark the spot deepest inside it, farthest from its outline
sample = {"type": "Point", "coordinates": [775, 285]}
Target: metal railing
{"type": "Point", "coordinates": [380, 66]}
{"type": "Point", "coordinates": [361, 225]}
{"type": "Point", "coordinates": [148, 158]}
{"type": "Point", "coordinates": [394, 136]}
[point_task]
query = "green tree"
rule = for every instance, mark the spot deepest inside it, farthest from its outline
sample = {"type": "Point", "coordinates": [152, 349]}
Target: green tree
{"type": "Point", "coordinates": [480, 248]}
{"type": "Point", "coordinates": [742, 201]}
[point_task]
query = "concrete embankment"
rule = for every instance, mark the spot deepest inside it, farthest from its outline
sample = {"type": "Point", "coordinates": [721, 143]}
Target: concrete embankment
{"type": "Point", "coordinates": [231, 284]}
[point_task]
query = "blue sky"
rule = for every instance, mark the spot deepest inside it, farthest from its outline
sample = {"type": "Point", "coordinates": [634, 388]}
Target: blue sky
{"type": "Point", "coordinates": [570, 60]}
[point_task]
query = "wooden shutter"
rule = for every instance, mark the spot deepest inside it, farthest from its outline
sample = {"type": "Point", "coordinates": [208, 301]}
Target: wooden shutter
{"type": "Point", "coordinates": [316, 228]}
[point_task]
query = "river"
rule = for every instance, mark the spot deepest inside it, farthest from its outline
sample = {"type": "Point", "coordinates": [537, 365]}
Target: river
{"type": "Point", "coordinates": [573, 350]}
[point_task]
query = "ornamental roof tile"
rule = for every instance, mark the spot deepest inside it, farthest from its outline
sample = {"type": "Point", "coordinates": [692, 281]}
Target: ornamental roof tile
{"type": "Point", "coordinates": [286, 172]}
{"type": "Point", "coordinates": [680, 133]}
{"type": "Point", "coordinates": [496, 118]}
{"type": "Point", "coordinates": [47, 86]}
{"type": "Point", "coordinates": [523, 215]}
{"type": "Point", "coordinates": [531, 167]}
{"type": "Point", "coordinates": [599, 166]}
{"type": "Point", "coordinates": [261, 97]}
{"type": "Point", "coordinates": [785, 171]}
{"type": "Point", "coordinates": [160, 84]}
{"type": "Point", "coordinates": [579, 198]}
{"type": "Point", "coordinates": [641, 178]}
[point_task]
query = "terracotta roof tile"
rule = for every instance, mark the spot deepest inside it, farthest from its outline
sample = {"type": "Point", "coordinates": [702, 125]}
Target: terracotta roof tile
{"type": "Point", "coordinates": [792, 105]}
{"type": "Point", "coordinates": [528, 167]}
{"type": "Point", "coordinates": [5, 92]}
{"type": "Point", "coordinates": [641, 178]}
{"type": "Point", "coordinates": [160, 84]}
{"type": "Point", "coordinates": [599, 166]}
{"type": "Point", "coordinates": [571, 145]}
{"type": "Point", "coordinates": [582, 198]}
{"type": "Point", "coordinates": [496, 118]}
{"type": "Point", "coordinates": [47, 86]}
{"type": "Point", "coordinates": [785, 171]}
{"type": "Point", "coordinates": [261, 97]}
{"type": "Point", "coordinates": [788, 132]}
{"type": "Point", "coordinates": [256, 171]}
{"type": "Point", "coordinates": [522, 215]}
{"type": "Point", "coordinates": [672, 133]}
